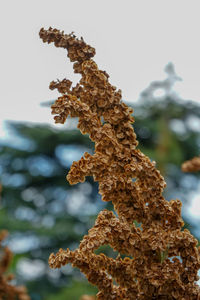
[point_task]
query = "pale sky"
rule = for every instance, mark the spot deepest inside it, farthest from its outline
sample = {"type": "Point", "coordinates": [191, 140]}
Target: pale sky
{"type": "Point", "coordinates": [134, 40]}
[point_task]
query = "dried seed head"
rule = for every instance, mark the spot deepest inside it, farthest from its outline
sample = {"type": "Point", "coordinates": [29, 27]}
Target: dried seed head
{"type": "Point", "coordinates": [149, 270]}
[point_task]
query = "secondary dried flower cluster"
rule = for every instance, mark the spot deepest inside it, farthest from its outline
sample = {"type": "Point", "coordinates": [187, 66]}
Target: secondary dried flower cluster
{"type": "Point", "coordinates": [192, 165]}
{"type": "Point", "coordinates": [161, 260]}
{"type": "Point", "coordinates": [87, 297]}
{"type": "Point", "coordinates": [7, 290]}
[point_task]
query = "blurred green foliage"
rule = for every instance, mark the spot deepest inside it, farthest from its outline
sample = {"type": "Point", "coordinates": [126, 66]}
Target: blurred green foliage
{"type": "Point", "coordinates": [44, 213]}
{"type": "Point", "coordinates": [74, 291]}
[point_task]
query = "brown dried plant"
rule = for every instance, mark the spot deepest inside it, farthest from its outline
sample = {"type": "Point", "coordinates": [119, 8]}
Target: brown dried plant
{"type": "Point", "coordinates": [161, 259]}
{"type": "Point", "coordinates": [192, 165]}
{"type": "Point", "coordinates": [87, 297]}
{"type": "Point", "coordinates": [7, 290]}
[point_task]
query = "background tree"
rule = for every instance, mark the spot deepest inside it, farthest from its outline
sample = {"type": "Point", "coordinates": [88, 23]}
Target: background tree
{"type": "Point", "coordinates": [39, 209]}
{"type": "Point", "coordinates": [168, 129]}
{"type": "Point", "coordinates": [43, 212]}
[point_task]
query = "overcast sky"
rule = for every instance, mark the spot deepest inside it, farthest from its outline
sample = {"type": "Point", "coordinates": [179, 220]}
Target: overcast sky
{"type": "Point", "coordinates": [134, 40]}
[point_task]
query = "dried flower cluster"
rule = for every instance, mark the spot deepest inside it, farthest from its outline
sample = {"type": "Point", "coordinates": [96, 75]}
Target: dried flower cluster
{"type": "Point", "coordinates": [87, 297]}
{"type": "Point", "coordinates": [7, 290]}
{"type": "Point", "coordinates": [161, 260]}
{"type": "Point", "coordinates": [192, 165]}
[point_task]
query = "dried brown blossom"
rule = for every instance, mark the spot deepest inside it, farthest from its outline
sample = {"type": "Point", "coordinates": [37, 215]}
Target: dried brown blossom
{"type": "Point", "coordinates": [87, 297]}
{"type": "Point", "coordinates": [192, 165]}
{"type": "Point", "coordinates": [7, 290]}
{"type": "Point", "coordinates": [161, 260]}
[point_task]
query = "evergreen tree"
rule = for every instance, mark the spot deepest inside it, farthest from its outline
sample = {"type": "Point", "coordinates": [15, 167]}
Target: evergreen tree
{"type": "Point", "coordinates": [43, 212]}
{"type": "Point", "coordinates": [39, 208]}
